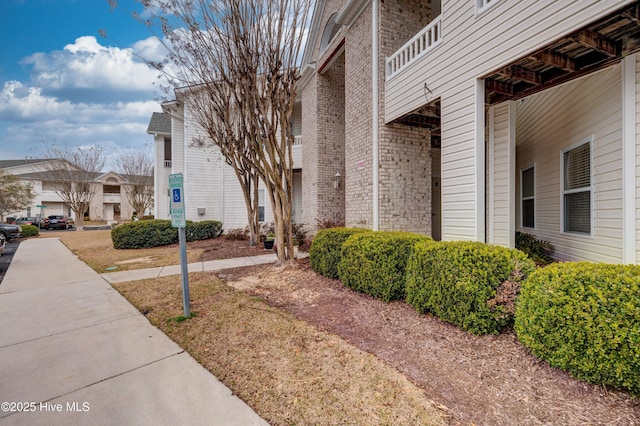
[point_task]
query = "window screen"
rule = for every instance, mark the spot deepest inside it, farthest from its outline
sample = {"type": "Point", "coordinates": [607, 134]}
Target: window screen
{"type": "Point", "coordinates": [528, 197]}
{"type": "Point", "coordinates": [577, 189]}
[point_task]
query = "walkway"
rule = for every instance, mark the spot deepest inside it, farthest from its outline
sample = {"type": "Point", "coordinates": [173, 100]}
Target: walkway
{"type": "Point", "coordinates": [74, 351]}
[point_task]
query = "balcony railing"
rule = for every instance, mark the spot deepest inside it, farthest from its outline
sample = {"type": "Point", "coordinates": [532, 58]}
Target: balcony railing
{"type": "Point", "coordinates": [418, 46]}
{"type": "Point", "coordinates": [297, 140]}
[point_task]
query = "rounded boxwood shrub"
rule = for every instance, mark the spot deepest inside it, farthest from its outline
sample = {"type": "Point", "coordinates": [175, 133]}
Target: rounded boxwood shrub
{"type": "Point", "coordinates": [154, 233]}
{"type": "Point", "coordinates": [30, 230]}
{"type": "Point", "coordinates": [203, 230]}
{"type": "Point", "coordinates": [458, 282]}
{"type": "Point", "coordinates": [374, 263]}
{"type": "Point", "coordinates": [584, 318]}
{"type": "Point", "coordinates": [326, 248]}
{"type": "Point", "coordinates": [144, 234]}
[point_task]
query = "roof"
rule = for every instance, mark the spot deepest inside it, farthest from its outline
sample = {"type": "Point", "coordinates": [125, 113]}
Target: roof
{"type": "Point", "coordinates": [160, 123]}
{"type": "Point", "coordinates": [5, 164]}
{"type": "Point", "coordinates": [93, 176]}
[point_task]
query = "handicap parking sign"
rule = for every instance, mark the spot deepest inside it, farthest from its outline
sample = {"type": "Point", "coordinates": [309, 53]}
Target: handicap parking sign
{"type": "Point", "coordinates": [176, 207]}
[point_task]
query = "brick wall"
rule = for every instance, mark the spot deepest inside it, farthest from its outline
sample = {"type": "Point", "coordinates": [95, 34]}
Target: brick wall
{"type": "Point", "coordinates": [340, 100]}
{"type": "Point", "coordinates": [358, 124]}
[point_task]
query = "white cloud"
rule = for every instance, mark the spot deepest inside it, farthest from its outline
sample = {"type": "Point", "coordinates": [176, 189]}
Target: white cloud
{"type": "Point", "coordinates": [84, 94]}
{"type": "Point", "coordinates": [88, 69]}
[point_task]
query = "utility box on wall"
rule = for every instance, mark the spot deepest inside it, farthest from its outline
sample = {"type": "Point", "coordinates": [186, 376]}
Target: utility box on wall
{"type": "Point", "coordinates": [201, 211]}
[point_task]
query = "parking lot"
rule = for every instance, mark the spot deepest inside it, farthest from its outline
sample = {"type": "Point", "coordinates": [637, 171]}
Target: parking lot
{"type": "Point", "coordinates": [7, 255]}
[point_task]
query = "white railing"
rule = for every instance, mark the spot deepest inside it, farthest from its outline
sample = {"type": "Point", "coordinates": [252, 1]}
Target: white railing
{"type": "Point", "coordinates": [297, 140]}
{"type": "Point", "coordinates": [420, 44]}
{"type": "Point", "coordinates": [111, 198]}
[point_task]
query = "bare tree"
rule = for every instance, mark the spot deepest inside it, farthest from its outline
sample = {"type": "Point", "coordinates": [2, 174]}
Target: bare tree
{"type": "Point", "coordinates": [14, 194]}
{"type": "Point", "coordinates": [238, 61]}
{"type": "Point", "coordinates": [136, 166]}
{"type": "Point", "coordinates": [72, 173]}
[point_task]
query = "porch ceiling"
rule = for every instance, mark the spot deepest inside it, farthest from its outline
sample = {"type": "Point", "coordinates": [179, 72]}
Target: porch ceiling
{"type": "Point", "coordinates": [593, 47]}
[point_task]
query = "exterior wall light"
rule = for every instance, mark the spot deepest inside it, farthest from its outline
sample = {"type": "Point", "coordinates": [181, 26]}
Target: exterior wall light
{"type": "Point", "coordinates": [336, 180]}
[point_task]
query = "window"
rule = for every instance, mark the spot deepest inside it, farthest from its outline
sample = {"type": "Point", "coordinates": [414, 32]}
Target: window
{"type": "Point", "coordinates": [576, 189]}
{"type": "Point", "coordinates": [527, 194]}
{"type": "Point", "coordinates": [482, 5]}
{"type": "Point", "coordinates": [261, 205]}
{"type": "Point", "coordinates": [167, 152]}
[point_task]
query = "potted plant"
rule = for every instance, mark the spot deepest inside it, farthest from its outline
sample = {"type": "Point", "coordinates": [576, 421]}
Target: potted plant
{"type": "Point", "coordinates": [269, 240]}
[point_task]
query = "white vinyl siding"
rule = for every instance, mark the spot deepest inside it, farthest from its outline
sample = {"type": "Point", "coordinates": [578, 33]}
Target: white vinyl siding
{"type": "Point", "coordinates": [472, 46]}
{"type": "Point", "coordinates": [546, 123]}
{"type": "Point", "coordinates": [577, 204]}
{"type": "Point", "coordinates": [528, 197]}
{"type": "Point", "coordinates": [637, 91]}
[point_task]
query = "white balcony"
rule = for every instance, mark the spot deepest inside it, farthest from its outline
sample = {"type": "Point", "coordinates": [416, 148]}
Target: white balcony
{"type": "Point", "coordinates": [427, 39]}
{"type": "Point", "coordinates": [111, 198]}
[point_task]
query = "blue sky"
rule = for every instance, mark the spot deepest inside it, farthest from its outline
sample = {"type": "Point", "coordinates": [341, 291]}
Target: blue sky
{"type": "Point", "coordinates": [60, 81]}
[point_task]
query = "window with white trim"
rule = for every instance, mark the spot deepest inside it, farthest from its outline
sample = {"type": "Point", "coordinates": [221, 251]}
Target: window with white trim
{"type": "Point", "coordinates": [527, 195]}
{"type": "Point", "coordinates": [261, 205]}
{"type": "Point", "coordinates": [577, 205]}
{"type": "Point", "coordinates": [482, 5]}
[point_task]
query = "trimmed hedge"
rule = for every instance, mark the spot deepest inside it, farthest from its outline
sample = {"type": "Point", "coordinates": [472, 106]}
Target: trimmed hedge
{"type": "Point", "coordinates": [204, 230]}
{"type": "Point", "coordinates": [154, 233]}
{"type": "Point", "coordinates": [29, 230]}
{"type": "Point", "coordinates": [458, 282]}
{"type": "Point", "coordinates": [326, 248]}
{"type": "Point", "coordinates": [374, 262]}
{"type": "Point", "coordinates": [585, 319]}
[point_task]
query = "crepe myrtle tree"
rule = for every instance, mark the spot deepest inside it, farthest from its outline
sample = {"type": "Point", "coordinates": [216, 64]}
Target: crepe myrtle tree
{"type": "Point", "coordinates": [237, 62]}
{"type": "Point", "coordinates": [136, 167]}
{"type": "Point", "coordinates": [14, 194]}
{"type": "Point", "coordinates": [72, 173]}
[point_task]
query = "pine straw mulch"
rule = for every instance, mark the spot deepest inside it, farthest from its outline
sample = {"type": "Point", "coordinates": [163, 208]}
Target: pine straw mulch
{"type": "Point", "coordinates": [480, 379]}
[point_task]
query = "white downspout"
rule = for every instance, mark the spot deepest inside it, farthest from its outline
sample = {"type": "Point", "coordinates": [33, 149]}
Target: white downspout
{"type": "Point", "coordinates": [629, 239]}
{"type": "Point", "coordinates": [375, 111]}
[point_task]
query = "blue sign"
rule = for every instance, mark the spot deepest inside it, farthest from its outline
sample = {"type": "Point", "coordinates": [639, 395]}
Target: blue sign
{"type": "Point", "coordinates": [176, 208]}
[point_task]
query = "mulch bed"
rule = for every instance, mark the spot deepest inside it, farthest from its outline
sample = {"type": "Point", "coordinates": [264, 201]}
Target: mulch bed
{"type": "Point", "coordinates": [489, 380]}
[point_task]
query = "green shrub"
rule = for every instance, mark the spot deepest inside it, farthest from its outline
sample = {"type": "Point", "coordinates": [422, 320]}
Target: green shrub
{"type": "Point", "coordinates": [374, 263]}
{"type": "Point", "coordinates": [326, 248]}
{"type": "Point", "coordinates": [538, 250]}
{"type": "Point", "coordinates": [154, 233]}
{"type": "Point", "coordinates": [584, 318]}
{"type": "Point", "coordinates": [204, 230]}
{"type": "Point", "coordinates": [459, 281]}
{"type": "Point", "coordinates": [144, 234]}
{"type": "Point", "coordinates": [29, 230]}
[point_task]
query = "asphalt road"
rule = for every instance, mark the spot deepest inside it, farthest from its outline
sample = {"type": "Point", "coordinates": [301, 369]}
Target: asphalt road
{"type": "Point", "coordinates": [7, 255]}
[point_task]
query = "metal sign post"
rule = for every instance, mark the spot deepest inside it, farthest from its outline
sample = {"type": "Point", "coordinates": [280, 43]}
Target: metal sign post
{"type": "Point", "coordinates": [178, 220]}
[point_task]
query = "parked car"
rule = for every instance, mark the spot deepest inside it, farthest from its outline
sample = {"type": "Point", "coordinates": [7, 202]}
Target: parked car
{"type": "Point", "coordinates": [57, 221]}
{"type": "Point", "coordinates": [2, 243]}
{"type": "Point", "coordinates": [28, 220]}
{"type": "Point", "coordinates": [10, 231]}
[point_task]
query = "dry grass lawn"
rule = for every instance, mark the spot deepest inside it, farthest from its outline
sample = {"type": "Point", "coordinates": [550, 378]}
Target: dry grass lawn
{"type": "Point", "coordinates": [285, 369]}
{"type": "Point", "coordinates": [96, 250]}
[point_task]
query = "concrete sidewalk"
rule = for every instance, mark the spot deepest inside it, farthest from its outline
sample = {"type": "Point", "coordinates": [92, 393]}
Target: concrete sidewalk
{"type": "Point", "coordinates": [73, 351]}
{"type": "Point", "coordinates": [209, 266]}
